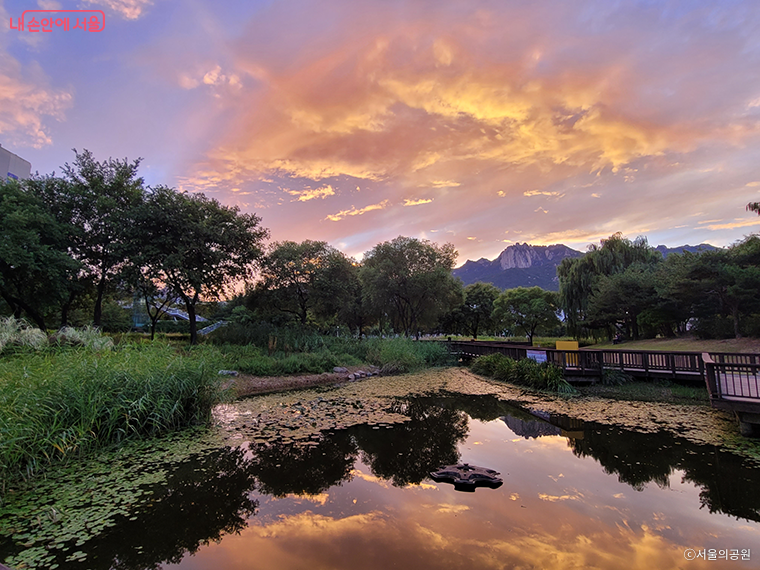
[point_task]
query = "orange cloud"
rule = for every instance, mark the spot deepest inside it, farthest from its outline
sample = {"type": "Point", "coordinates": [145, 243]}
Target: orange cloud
{"type": "Point", "coordinates": [25, 99]}
{"type": "Point", "coordinates": [410, 202]}
{"type": "Point", "coordinates": [356, 212]}
{"type": "Point", "coordinates": [309, 194]}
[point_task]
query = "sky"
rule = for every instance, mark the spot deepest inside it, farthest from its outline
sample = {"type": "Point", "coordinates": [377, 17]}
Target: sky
{"type": "Point", "coordinates": [479, 123]}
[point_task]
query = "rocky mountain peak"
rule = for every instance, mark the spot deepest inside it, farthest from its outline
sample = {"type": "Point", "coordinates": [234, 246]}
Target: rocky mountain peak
{"type": "Point", "coordinates": [524, 255]}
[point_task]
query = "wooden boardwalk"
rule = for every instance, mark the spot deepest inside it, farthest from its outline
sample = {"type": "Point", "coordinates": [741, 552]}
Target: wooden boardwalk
{"type": "Point", "coordinates": [732, 379]}
{"type": "Point", "coordinates": [590, 363]}
{"type": "Point", "coordinates": [733, 382]}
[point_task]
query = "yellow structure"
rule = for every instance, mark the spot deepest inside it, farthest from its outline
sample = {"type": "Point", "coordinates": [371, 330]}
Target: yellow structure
{"type": "Point", "coordinates": [570, 359]}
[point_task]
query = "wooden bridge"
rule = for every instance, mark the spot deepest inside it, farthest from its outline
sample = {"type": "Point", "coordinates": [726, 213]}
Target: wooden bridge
{"type": "Point", "coordinates": [732, 379]}
{"type": "Point", "coordinates": [589, 363]}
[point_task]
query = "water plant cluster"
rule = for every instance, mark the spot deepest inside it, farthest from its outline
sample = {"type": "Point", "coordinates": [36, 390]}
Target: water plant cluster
{"type": "Point", "coordinates": [524, 372]}
{"type": "Point", "coordinates": [60, 403]}
{"type": "Point", "coordinates": [76, 391]}
{"type": "Point", "coordinates": [273, 352]}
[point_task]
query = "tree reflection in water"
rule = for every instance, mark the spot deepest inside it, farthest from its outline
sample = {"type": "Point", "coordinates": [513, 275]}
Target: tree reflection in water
{"type": "Point", "coordinates": [640, 458]}
{"type": "Point", "coordinates": [208, 496]}
{"type": "Point", "coordinates": [408, 453]}
{"type": "Point", "coordinates": [202, 500]}
{"type": "Point", "coordinates": [303, 469]}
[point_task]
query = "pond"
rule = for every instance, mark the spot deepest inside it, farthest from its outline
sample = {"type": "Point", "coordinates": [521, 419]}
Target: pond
{"type": "Point", "coordinates": [340, 478]}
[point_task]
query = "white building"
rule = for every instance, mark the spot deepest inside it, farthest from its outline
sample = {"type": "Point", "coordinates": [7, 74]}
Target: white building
{"type": "Point", "coordinates": [13, 166]}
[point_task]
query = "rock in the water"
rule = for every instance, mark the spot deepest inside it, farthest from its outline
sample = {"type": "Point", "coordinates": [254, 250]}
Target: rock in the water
{"type": "Point", "coordinates": [340, 369]}
{"type": "Point", "coordinates": [351, 377]}
{"type": "Point", "coordinates": [228, 373]}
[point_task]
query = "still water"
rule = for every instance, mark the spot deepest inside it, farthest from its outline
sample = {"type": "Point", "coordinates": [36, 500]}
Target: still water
{"type": "Point", "coordinates": [286, 492]}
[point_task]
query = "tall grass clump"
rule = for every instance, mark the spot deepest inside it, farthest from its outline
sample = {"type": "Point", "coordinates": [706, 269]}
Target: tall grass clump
{"type": "Point", "coordinates": [60, 404]}
{"type": "Point", "coordinates": [524, 372]}
{"type": "Point", "coordinates": [399, 355]}
{"type": "Point", "coordinates": [89, 337]}
{"type": "Point", "coordinates": [17, 332]}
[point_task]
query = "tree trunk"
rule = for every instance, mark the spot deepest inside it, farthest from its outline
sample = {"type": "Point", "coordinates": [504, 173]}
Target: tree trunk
{"type": "Point", "coordinates": [735, 317]}
{"type": "Point", "coordinates": [65, 309]}
{"type": "Point", "coordinates": [101, 289]}
{"type": "Point", "coordinates": [190, 305]}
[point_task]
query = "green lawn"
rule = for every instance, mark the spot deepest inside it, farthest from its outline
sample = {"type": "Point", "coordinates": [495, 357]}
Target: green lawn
{"type": "Point", "coordinates": [688, 344]}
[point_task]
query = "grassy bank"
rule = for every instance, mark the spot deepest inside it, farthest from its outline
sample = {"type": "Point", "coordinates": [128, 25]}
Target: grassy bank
{"type": "Point", "coordinates": [59, 403]}
{"type": "Point", "coordinates": [65, 396]}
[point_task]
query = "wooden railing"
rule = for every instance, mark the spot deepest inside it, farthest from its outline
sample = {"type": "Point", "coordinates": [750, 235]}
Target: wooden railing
{"type": "Point", "coordinates": [732, 375]}
{"type": "Point", "coordinates": [658, 363]}
{"type": "Point", "coordinates": [591, 362]}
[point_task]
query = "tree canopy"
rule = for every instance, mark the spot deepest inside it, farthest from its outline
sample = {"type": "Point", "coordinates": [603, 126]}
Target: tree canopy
{"type": "Point", "coordinates": [306, 278]}
{"type": "Point", "coordinates": [194, 245]}
{"type": "Point", "coordinates": [410, 281]}
{"type": "Point", "coordinates": [35, 267]}
{"type": "Point", "coordinates": [527, 310]}
{"type": "Point", "coordinates": [101, 198]}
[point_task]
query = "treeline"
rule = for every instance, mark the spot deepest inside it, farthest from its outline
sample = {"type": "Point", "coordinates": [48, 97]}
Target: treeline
{"type": "Point", "coordinates": [71, 242]}
{"type": "Point", "coordinates": [626, 286]}
{"type": "Point", "coordinates": [68, 241]}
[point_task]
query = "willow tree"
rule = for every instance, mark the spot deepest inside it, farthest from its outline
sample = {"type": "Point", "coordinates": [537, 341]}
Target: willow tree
{"type": "Point", "coordinates": [194, 245]}
{"type": "Point", "coordinates": [579, 277]}
{"type": "Point", "coordinates": [410, 281]}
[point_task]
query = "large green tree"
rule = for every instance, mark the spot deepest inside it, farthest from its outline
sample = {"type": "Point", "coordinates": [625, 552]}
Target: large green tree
{"type": "Point", "coordinates": [307, 278]}
{"type": "Point", "coordinates": [528, 310]}
{"type": "Point", "coordinates": [101, 200]}
{"type": "Point", "coordinates": [194, 245]}
{"type": "Point", "coordinates": [622, 297]}
{"type": "Point", "coordinates": [579, 277]}
{"type": "Point", "coordinates": [732, 276]}
{"type": "Point", "coordinates": [35, 266]}
{"type": "Point", "coordinates": [410, 281]}
{"type": "Point", "coordinates": [477, 308]}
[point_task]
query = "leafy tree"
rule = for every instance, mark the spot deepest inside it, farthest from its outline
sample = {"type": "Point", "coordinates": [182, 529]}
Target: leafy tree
{"type": "Point", "coordinates": [732, 276]}
{"type": "Point", "coordinates": [194, 245]}
{"type": "Point", "coordinates": [622, 297]}
{"type": "Point", "coordinates": [410, 280]}
{"type": "Point", "coordinates": [35, 266]}
{"type": "Point", "coordinates": [578, 277]}
{"type": "Point", "coordinates": [478, 306]}
{"type": "Point", "coordinates": [101, 200]}
{"type": "Point", "coordinates": [527, 309]}
{"type": "Point", "coordinates": [306, 278]}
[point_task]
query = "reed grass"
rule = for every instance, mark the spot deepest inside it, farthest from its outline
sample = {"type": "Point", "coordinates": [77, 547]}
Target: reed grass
{"type": "Point", "coordinates": [54, 405]}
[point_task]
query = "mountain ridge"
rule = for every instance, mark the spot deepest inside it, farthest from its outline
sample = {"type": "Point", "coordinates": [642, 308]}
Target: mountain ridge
{"type": "Point", "coordinates": [525, 265]}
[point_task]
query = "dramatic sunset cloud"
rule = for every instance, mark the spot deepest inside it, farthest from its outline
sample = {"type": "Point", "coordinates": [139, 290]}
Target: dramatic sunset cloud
{"type": "Point", "coordinates": [555, 121]}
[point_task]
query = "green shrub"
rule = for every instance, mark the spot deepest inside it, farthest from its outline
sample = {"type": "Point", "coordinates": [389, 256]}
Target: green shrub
{"type": "Point", "coordinates": [614, 377]}
{"type": "Point", "coordinates": [524, 372]}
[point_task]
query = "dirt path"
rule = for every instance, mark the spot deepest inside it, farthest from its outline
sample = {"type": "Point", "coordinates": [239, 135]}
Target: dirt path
{"type": "Point", "coordinates": [244, 385]}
